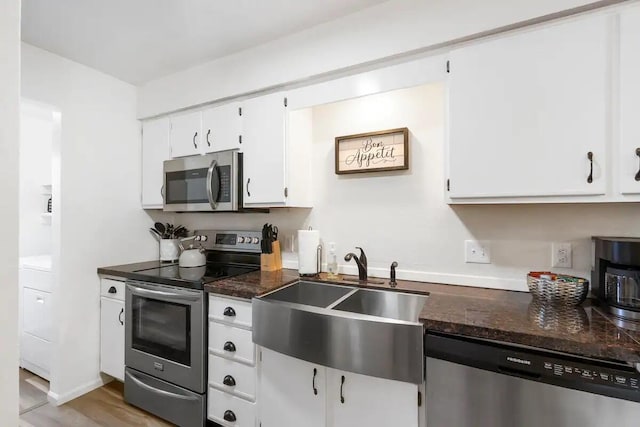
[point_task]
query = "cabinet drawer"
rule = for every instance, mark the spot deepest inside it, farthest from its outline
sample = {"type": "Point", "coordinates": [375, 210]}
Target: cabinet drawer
{"type": "Point", "coordinates": [36, 313]}
{"type": "Point", "coordinates": [220, 402]}
{"type": "Point", "coordinates": [243, 376]}
{"type": "Point", "coordinates": [221, 336]}
{"type": "Point", "coordinates": [36, 279]}
{"type": "Point", "coordinates": [237, 312]}
{"type": "Point", "coordinates": [36, 351]}
{"type": "Point", "coordinates": [106, 285]}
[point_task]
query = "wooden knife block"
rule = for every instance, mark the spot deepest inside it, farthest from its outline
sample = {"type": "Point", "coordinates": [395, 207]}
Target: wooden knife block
{"type": "Point", "coordinates": [272, 261]}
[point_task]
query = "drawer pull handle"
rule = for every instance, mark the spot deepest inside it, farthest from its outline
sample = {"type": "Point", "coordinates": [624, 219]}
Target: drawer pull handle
{"type": "Point", "coordinates": [195, 144]}
{"type": "Point", "coordinates": [112, 290]}
{"type": "Point", "coordinates": [313, 383]}
{"type": "Point", "coordinates": [229, 346]}
{"type": "Point", "coordinates": [229, 416]}
{"type": "Point", "coordinates": [341, 385]}
{"type": "Point", "coordinates": [208, 133]}
{"type": "Point", "coordinates": [120, 316]}
{"type": "Point", "coordinates": [229, 381]}
{"type": "Point", "coordinates": [229, 312]}
{"type": "Point", "coordinates": [590, 157]}
{"type": "Point", "coordinates": [638, 154]}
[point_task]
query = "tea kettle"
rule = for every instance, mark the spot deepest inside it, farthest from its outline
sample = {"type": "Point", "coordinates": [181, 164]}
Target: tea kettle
{"type": "Point", "coordinates": [191, 256]}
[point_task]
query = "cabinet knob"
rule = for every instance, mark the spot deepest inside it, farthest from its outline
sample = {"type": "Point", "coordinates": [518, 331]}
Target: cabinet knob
{"type": "Point", "coordinates": [229, 381]}
{"type": "Point", "coordinates": [229, 346]}
{"type": "Point", "coordinates": [229, 416]}
{"type": "Point", "coordinates": [112, 290]}
{"type": "Point", "coordinates": [229, 312]}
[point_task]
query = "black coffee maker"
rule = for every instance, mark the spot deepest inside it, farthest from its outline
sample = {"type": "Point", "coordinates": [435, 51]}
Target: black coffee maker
{"type": "Point", "coordinates": [615, 277]}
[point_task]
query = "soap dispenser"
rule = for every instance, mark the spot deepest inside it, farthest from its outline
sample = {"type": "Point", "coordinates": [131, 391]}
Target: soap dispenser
{"type": "Point", "coordinates": [332, 262]}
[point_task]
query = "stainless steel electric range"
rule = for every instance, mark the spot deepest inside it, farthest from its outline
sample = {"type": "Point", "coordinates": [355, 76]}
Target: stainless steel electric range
{"type": "Point", "coordinates": [166, 337]}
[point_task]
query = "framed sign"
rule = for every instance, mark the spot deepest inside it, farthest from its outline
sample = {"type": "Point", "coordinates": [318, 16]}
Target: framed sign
{"type": "Point", "coordinates": [386, 150]}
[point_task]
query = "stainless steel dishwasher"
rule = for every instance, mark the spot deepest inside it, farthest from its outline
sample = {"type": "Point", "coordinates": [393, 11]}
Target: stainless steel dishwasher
{"type": "Point", "coordinates": [483, 383]}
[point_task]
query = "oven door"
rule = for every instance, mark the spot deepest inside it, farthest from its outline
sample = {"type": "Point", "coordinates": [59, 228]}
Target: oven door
{"type": "Point", "coordinates": [165, 333]}
{"type": "Point", "coordinates": [202, 183]}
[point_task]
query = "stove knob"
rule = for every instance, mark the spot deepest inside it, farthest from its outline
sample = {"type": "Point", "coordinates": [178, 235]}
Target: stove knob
{"type": "Point", "coordinates": [240, 239]}
{"type": "Point", "coordinates": [204, 238]}
{"type": "Point", "coordinates": [256, 240]}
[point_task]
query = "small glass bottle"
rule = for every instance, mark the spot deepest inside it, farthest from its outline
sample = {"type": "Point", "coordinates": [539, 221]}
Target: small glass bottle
{"type": "Point", "coordinates": [332, 264]}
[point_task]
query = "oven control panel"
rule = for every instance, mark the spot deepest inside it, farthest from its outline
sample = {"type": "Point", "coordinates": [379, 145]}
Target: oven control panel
{"type": "Point", "coordinates": [240, 241]}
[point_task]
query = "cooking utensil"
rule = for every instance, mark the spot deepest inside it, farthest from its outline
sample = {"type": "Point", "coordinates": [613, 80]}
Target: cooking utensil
{"type": "Point", "coordinates": [156, 234]}
{"type": "Point", "coordinates": [160, 227]}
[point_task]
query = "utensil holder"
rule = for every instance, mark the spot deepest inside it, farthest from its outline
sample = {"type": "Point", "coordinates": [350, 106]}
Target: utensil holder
{"type": "Point", "coordinates": [169, 249]}
{"type": "Point", "coordinates": [272, 261]}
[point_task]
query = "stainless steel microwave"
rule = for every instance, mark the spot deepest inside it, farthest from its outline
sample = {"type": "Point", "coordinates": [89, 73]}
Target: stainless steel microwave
{"type": "Point", "coordinates": [209, 183]}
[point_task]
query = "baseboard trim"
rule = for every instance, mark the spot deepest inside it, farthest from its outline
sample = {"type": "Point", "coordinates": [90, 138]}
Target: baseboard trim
{"type": "Point", "coordinates": [60, 399]}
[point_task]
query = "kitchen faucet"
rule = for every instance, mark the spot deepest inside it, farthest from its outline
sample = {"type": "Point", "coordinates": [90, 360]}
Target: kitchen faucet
{"type": "Point", "coordinates": [361, 262]}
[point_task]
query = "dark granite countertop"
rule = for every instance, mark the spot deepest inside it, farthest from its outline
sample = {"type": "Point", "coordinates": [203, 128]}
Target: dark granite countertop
{"type": "Point", "coordinates": [507, 316]}
{"type": "Point", "coordinates": [252, 284]}
{"type": "Point", "coordinates": [128, 270]}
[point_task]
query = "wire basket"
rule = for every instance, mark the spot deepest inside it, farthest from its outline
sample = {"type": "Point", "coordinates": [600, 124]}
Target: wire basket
{"type": "Point", "coordinates": [549, 288]}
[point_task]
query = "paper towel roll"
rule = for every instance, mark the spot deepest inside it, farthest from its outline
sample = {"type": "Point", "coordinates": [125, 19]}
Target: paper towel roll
{"type": "Point", "coordinates": [308, 241]}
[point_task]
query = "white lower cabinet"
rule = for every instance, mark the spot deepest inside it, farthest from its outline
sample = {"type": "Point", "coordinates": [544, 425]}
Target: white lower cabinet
{"type": "Point", "coordinates": [292, 392]}
{"type": "Point", "coordinates": [36, 320]}
{"type": "Point", "coordinates": [231, 395]}
{"type": "Point", "coordinates": [361, 400]}
{"type": "Point", "coordinates": [112, 328]}
{"type": "Point", "coordinates": [295, 393]}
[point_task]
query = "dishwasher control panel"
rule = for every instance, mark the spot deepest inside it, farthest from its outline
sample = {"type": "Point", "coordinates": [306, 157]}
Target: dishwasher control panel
{"type": "Point", "coordinates": [598, 375]}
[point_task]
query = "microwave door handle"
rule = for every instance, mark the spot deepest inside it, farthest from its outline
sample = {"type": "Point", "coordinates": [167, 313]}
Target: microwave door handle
{"type": "Point", "coordinates": [213, 190]}
{"type": "Point", "coordinates": [137, 290]}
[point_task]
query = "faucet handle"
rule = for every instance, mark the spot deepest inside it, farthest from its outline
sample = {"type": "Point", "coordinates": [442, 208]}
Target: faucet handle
{"type": "Point", "coordinates": [392, 281]}
{"type": "Point", "coordinates": [363, 257]}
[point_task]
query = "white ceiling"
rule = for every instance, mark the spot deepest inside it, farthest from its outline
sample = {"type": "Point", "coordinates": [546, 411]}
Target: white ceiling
{"type": "Point", "coordinates": [141, 40]}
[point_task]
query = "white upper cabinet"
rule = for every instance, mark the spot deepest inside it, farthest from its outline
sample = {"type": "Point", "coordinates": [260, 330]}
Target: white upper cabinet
{"type": "Point", "coordinates": [186, 134]}
{"type": "Point", "coordinates": [263, 147]}
{"type": "Point", "coordinates": [528, 112]}
{"type": "Point", "coordinates": [155, 150]}
{"type": "Point", "coordinates": [629, 153]}
{"type": "Point", "coordinates": [292, 392]}
{"type": "Point", "coordinates": [221, 128]}
{"type": "Point", "coordinates": [360, 400]}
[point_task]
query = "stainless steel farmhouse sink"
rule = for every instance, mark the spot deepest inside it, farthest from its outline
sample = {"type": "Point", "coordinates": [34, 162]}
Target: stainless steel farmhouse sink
{"type": "Point", "coordinates": [370, 332]}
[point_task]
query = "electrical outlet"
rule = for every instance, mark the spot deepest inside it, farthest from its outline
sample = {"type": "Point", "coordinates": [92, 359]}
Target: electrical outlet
{"type": "Point", "coordinates": [478, 252]}
{"type": "Point", "coordinates": [561, 255]}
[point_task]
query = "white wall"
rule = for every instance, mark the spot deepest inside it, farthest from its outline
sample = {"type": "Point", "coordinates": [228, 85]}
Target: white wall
{"type": "Point", "coordinates": [9, 143]}
{"type": "Point", "coordinates": [391, 28]}
{"type": "Point", "coordinates": [403, 216]}
{"type": "Point", "coordinates": [99, 220]}
{"type": "Point", "coordinates": [36, 139]}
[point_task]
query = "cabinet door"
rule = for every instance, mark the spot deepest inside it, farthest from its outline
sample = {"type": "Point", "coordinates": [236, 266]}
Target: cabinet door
{"type": "Point", "coordinates": [291, 392]}
{"type": "Point", "coordinates": [112, 337]}
{"type": "Point", "coordinates": [155, 150]}
{"type": "Point", "coordinates": [263, 142]}
{"type": "Point", "coordinates": [37, 317]}
{"type": "Point", "coordinates": [629, 154]}
{"type": "Point", "coordinates": [221, 128]}
{"type": "Point", "coordinates": [186, 134]}
{"type": "Point", "coordinates": [360, 400]}
{"type": "Point", "coordinates": [525, 111]}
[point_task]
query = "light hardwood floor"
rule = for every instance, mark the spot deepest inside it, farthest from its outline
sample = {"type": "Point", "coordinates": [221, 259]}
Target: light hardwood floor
{"type": "Point", "coordinates": [103, 407]}
{"type": "Point", "coordinates": [33, 391]}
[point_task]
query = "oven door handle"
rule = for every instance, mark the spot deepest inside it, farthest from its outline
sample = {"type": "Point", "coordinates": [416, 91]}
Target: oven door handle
{"type": "Point", "coordinates": [211, 174]}
{"type": "Point", "coordinates": [177, 295]}
{"type": "Point", "coordinates": [152, 389]}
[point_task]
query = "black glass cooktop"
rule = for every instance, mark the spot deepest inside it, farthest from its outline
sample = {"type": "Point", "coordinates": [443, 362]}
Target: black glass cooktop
{"type": "Point", "coordinates": [193, 277]}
